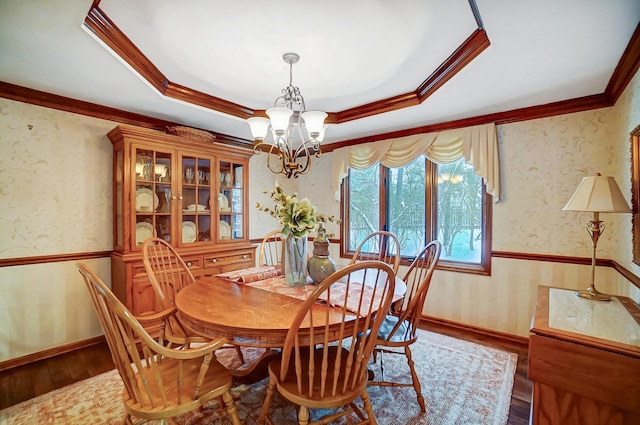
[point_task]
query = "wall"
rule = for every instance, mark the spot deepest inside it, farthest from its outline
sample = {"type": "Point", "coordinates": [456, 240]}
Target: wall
{"type": "Point", "coordinates": [55, 198]}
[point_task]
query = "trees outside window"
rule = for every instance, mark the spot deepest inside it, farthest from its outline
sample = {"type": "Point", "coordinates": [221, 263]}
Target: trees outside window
{"type": "Point", "coordinates": [420, 202]}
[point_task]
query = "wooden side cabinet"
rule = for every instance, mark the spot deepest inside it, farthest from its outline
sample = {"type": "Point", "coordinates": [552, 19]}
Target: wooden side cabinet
{"type": "Point", "coordinates": [191, 193]}
{"type": "Point", "coordinates": [584, 360]}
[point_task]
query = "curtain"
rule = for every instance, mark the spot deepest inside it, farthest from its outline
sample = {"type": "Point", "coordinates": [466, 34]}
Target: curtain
{"type": "Point", "coordinates": [478, 145]}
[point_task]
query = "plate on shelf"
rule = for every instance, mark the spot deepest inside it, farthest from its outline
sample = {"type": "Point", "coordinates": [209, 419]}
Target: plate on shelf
{"type": "Point", "coordinates": [195, 208]}
{"type": "Point", "coordinates": [189, 233]}
{"type": "Point", "coordinates": [144, 231]}
{"type": "Point", "coordinates": [225, 230]}
{"type": "Point", "coordinates": [146, 200]}
{"type": "Point", "coordinates": [223, 202]}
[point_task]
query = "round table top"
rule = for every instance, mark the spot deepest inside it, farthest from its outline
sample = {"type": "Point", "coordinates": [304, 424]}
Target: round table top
{"type": "Point", "coordinates": [245, 315]}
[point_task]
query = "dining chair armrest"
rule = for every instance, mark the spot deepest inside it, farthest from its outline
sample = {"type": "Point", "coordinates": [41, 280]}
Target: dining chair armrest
{"type": "Point", "coordinates": [183, 353]}
{"type": "Point", "coordinates": [156, 317]}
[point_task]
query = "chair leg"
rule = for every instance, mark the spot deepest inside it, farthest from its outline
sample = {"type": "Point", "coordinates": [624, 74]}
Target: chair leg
{"type": "Point", "coordinates": [231, 408]}
{"type": "Point", "coordinates": [414, 378]}
{"type": "Point", "coordinates": [303, 416]}
{"type": "Point", "coordinates": [271, 391]}
{"type": "Point", "coordinates": [368, 408]}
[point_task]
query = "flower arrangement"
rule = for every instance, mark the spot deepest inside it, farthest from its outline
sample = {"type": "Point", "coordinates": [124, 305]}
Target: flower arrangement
{"type": "Point", "coordinates": [297, 217]}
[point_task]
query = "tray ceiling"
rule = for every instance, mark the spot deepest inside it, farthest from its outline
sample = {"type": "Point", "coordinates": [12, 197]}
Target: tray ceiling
{"type": "Point", "coordinates": [375, 66]}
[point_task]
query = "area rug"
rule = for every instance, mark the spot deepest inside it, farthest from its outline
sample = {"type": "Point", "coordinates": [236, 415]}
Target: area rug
{"type": "Point", "coordinates": [462, 383]}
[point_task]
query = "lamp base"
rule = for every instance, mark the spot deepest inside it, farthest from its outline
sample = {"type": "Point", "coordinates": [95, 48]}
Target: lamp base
{"type": "Point", "coordinates": [593, 294]}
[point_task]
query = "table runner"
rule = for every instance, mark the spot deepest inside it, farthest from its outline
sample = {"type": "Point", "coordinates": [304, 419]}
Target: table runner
{"type": "Point", "coordinates": [251, 274]}
{"type": "Point", "coordinates": [269, 278]}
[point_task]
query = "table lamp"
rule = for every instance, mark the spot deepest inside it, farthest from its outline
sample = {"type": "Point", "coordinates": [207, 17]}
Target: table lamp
{"type": "Point", "coordinates": [597, 194]}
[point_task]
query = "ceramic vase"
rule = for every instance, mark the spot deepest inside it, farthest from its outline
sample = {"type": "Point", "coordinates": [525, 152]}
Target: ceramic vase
{"type": "Point", "coordinates": [295, 260]}
{"type": "Point", "coordinates": [321, 265]}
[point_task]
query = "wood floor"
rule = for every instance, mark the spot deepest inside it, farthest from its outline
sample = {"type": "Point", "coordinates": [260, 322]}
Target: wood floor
{"type": "Point", "coordinates": [25, 382]}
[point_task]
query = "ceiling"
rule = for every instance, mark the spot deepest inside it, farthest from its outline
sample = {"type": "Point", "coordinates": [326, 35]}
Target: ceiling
{"type": "Point", "coordinates": [376, 66]}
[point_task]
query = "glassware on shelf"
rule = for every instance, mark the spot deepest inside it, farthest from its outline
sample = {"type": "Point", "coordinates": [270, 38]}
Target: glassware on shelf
{"type": "Point", "coordinates": [189, 175]}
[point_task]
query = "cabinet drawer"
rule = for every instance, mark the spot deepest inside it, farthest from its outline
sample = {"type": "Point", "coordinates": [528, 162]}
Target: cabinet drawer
{"type": "Point", "coordinates": [194, 263]}
{"type": "Point", "coordinates": [223, 268]}
{"type": "Point", "coordinates": [228, 259]}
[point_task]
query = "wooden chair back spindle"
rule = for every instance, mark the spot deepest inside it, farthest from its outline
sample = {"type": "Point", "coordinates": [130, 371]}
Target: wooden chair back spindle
{"type": "Point", "coordinates": [381, 246]}
{"type": "Point", "coordinates": [271, 249]}
{"type": "Point", "coordinates": [418, 279]}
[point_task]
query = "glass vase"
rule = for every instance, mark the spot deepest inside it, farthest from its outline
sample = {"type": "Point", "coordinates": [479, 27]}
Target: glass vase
{"type": "Point", "coordinates": [295, 260]}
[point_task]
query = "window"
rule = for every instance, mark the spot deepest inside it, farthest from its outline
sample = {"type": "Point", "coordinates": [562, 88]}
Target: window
{"type": "Point", "coordinates": [420, 202]}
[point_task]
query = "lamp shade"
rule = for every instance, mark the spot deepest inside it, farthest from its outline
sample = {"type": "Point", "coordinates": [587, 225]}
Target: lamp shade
{"type": "Point", "coordinates": [279, 118]}
{"type": "Point", "coordinates": [259, 127]}
{"type": "Point", "coordinates": [320, 137]}
{"type": "Point", "coordinates": [314, 120]}
{"type": "Point", "coordinates": [598, 194]}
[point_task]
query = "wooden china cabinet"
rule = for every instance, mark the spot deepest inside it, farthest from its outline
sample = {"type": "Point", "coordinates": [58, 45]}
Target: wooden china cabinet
{"type": "Point", "coordinates": [191, 193]}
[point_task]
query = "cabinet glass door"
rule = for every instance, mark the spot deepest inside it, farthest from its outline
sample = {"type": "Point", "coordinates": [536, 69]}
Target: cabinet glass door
{"type": "Point", "coordinates": [231, 201]}
{"type": "Point", "coordinates": [196, 200]}
{"type": "Point", "coordinates": [152, 194]}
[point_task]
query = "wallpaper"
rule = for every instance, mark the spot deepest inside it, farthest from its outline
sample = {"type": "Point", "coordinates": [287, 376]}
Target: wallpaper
{"type": "Point", "coordinates": [626, 113]}
{"type": "Point", "coordinates": [560, 151]}
{"type": "Point", "coordinates": [55, 182]}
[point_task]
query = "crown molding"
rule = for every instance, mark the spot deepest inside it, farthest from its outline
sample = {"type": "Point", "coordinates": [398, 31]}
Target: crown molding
{"type": "Point", "coordinates": [625, 70]}
{"type": "Point", "coordinates": [67, 104]}
{"type": "Point", "coordinates": [523, 114]}
{"type": "Point", "coordinates": [108, 33]}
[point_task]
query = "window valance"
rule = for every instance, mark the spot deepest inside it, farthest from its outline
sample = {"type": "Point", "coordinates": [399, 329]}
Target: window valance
{"type": "Point", "coordinates": [478, 145]}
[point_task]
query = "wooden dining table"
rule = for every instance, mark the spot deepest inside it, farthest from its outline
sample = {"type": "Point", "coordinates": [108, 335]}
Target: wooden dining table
{"type": "Point", "coordinates": [249, 316]}
{"type": "Point", "coordinates": [245, 314]}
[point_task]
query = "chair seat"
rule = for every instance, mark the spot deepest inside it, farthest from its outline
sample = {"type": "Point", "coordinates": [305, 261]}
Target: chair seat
{"type": "Point", "coordinates": [289, 387]}
{"type": "Point", "coordinates": [219, 381]}
{"type": "Point", "coordinates": [402, 335]}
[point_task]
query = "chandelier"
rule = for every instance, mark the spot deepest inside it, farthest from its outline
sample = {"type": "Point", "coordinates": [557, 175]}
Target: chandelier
{"type": "Point", "coordinates": [288, 154]}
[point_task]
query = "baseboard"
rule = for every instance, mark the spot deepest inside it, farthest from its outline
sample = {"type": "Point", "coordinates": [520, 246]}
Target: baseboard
{"type": "Point", "coordinates": [520, 341]}
{"type": "Point", "coordinates": [41, 355]}
{"type": "Point", "coordinates": [425, 321]}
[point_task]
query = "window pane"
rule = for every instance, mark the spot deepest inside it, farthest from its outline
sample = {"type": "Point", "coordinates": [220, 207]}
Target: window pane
{"type": "Point", "coordinates": [459, 212]}
{"type": "Point", "coordinates": [364, 208]}
{"type": "Point", "coordinates": [407, 206]}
